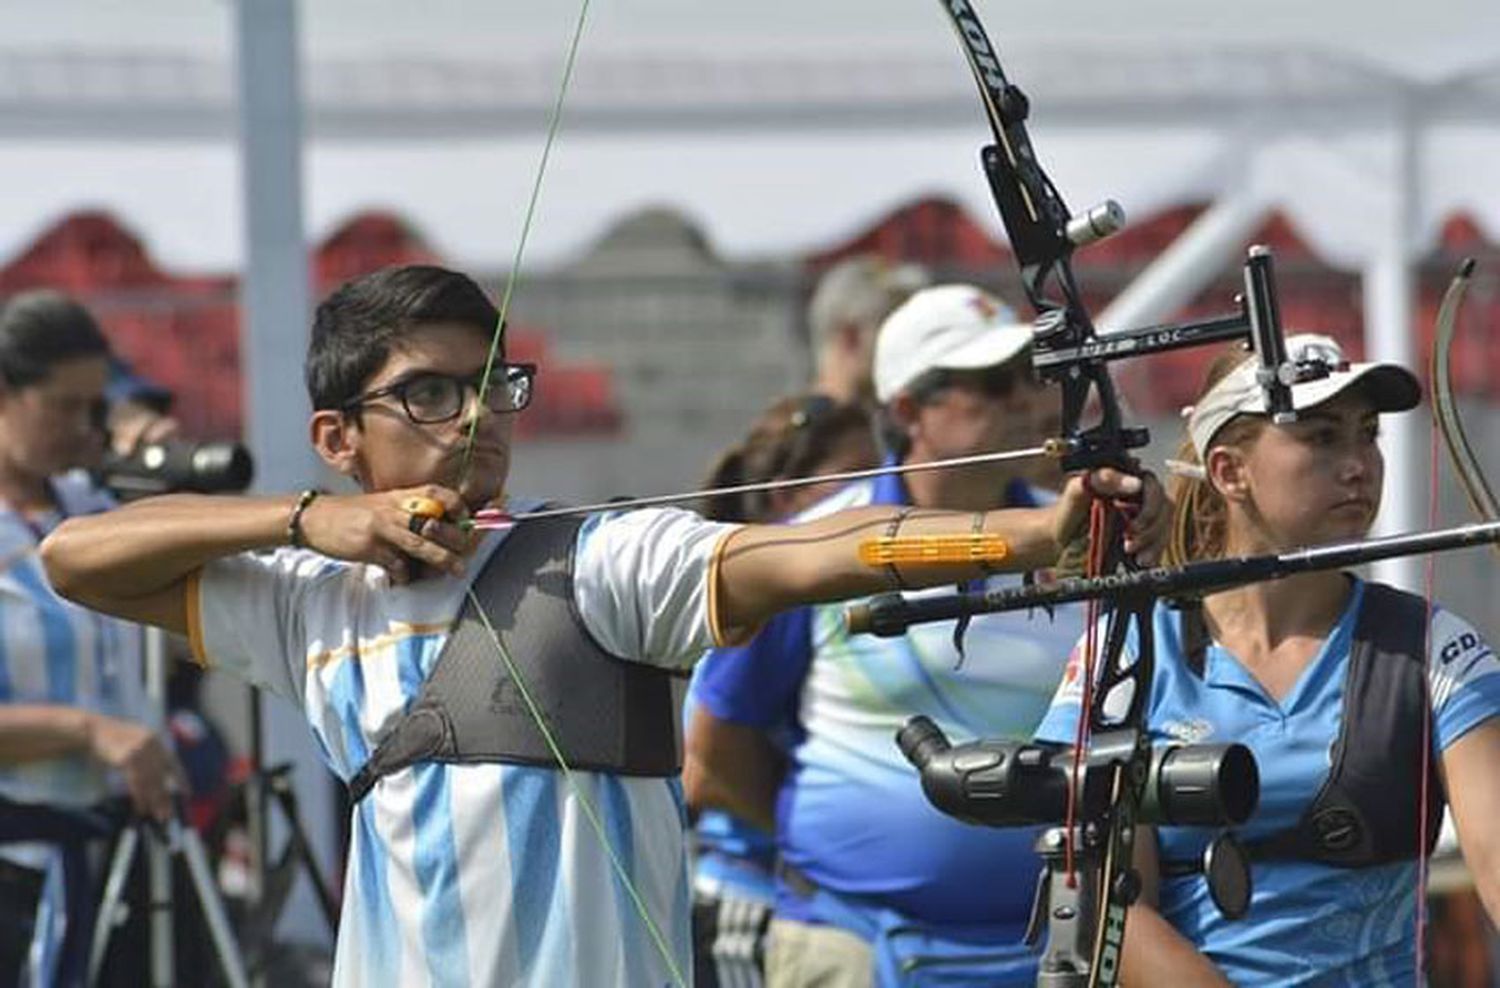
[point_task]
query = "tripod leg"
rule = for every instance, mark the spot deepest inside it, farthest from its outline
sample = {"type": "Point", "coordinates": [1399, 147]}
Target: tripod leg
{"type": "Point", "coordinates": [230, 961]}
{"type": "Point", "coordinates": [286, 798]}
{"type": "Point", "coordinates": [159, 891]}
{"type": "Point", "coordinates": [109, 903]}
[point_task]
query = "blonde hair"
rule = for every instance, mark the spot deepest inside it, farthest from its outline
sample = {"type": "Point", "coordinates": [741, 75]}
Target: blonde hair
{"type": "Point", "coordinates": [1200, 515]}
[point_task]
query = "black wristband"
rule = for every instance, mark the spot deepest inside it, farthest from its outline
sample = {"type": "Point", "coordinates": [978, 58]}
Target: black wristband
{"type": "Point", "coordinates": [294, 523]}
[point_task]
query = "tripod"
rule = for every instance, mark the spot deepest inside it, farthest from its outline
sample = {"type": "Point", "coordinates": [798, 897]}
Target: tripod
{"type": "Point", "coordinates": [271, 881]}
{"type": "Point", "coordinates": [164, 842]}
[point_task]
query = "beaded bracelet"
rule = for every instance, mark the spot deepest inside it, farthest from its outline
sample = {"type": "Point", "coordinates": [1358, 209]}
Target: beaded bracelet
{"type": "Point", "coordinates": [294, 523]}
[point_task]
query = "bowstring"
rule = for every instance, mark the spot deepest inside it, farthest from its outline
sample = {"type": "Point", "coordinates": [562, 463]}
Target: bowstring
{"type": "Point", "coordinates": [590, 812]}
{"type": "Point", "coordinates": [1429, 593]}
{"type": "Point", "coordinates": [526, 223]}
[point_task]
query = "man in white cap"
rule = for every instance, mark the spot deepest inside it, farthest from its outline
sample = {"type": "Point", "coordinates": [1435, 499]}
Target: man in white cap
{"type": "Point", "coordinates": [874, 881]}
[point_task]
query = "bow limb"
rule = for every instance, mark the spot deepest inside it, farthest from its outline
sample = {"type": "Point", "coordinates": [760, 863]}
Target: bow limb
{"type": "Point", "coordinates": [1445, 404]}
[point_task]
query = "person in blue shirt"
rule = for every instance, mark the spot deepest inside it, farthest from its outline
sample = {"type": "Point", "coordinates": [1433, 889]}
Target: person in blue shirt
{"type": "Point", "coordinates": [72, 711]}
{"type": "Point", "coordinates": [733, 889]}
{"type": "Point", "coordinates": [1331, 681]}
{"type": "Point", "coordinates": [874, 883]}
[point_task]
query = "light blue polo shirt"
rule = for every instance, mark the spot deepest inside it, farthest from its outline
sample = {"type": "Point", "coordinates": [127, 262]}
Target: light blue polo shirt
{"type": "Point", "coordinates": [1308, 923]}
{"type": "Point", "coordinates": [851, 815]}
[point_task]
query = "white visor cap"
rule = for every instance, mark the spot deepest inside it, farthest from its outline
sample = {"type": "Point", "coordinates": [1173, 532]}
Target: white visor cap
{"type": "Point", "coordinates": [949, 327]}
{"type": "Point", "coordinates": [1391, 387]}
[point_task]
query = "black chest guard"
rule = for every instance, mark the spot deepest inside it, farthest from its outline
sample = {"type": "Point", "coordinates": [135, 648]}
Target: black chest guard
{"type": "Point", "coordinates": [1354, 822]}
{"type": "Point", "coordinates": [607, 714]}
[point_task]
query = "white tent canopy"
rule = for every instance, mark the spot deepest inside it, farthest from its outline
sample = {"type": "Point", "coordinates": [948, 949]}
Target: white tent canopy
{"type": "Point", "coordinates": [779, 126]}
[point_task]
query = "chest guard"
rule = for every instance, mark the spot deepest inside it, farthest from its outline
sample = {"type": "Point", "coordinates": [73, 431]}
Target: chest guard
{"type": "Point", "coordinates": [607, 714]}
{"type": "Point", "coordinates": [1353, 822]}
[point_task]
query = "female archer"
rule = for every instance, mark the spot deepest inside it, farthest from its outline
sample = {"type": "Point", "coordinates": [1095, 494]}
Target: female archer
{"type": "Point", "coordinates": [1332, 681]}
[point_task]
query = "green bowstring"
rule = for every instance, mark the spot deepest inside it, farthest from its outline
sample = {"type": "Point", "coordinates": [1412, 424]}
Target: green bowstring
{"type": "Point", "coordinates": [589, 810]}
{"type": "Point", "coordinates": [515, 265]}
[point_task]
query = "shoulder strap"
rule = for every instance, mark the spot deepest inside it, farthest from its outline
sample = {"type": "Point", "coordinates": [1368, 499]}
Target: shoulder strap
{"type": "Point", "coordinates": [1352, 821]}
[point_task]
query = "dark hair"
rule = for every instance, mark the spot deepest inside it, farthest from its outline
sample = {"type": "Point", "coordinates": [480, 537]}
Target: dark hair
{"type": "Point", "coordinates": [1199, 512]}
{"type": "Point", "coordinates": [790, 439]}
{"type": "Point", "coordinates": [41, 329]}
{"type": "Point", "coordinates": [355, 328]}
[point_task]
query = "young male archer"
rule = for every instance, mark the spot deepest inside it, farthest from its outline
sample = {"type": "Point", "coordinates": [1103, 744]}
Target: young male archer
{"type": "Point", "coordinates": [497, 867]}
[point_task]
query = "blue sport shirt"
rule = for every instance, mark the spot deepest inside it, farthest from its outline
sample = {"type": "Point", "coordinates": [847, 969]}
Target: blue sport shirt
{"type": "Point", "coordinates": [1308, 923]}
{"type": "Point", "coordinates": [851, 815]}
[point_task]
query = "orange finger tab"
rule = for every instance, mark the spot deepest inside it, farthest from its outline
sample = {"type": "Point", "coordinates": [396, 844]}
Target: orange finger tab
{"type": "Point", "coordinates": [933, 550]}
{"type": "Point", "coordinates": [427, 507]}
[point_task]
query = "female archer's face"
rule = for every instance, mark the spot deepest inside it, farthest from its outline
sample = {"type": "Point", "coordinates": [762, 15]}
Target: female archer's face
{"type": "Point", "coordinates": [414, 425]}
{"type": "Point", "coordinates": [56, 423]}
{"type": "Point", "coordinates": [1314, 481]}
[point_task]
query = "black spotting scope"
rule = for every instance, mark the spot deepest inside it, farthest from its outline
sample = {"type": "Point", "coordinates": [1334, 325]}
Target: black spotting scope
{"type": "Point", "coordinates": [1019, 783]}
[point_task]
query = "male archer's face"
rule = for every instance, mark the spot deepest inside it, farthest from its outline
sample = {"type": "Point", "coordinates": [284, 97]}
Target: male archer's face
{"type": "Point", "coordinates": [412, 424]}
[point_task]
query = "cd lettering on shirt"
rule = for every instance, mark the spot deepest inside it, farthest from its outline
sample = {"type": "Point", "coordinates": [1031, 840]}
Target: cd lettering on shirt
{"type": "Point", "coordinates": [1466, 645]}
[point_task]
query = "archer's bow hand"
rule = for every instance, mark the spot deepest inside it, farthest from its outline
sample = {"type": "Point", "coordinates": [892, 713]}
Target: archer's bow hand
{"type": "Point", "coordinates": [1139, 499]}
{"type": "Point", "coordinates": [402, 531]}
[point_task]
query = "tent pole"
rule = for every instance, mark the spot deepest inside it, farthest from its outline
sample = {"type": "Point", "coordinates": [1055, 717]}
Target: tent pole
{"type": "Point", "coordinates": [1391, 335]}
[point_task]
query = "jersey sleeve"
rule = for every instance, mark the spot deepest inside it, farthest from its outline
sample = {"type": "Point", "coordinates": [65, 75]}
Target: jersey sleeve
{"type": "Point", "coordinates": [758, 684]}
{"type": "Point", "coordinates": [246, 616]}
{"type": "Point", "coordinates": [1463, 677]}
{"type": "Point", "coordinates": [643, 583]}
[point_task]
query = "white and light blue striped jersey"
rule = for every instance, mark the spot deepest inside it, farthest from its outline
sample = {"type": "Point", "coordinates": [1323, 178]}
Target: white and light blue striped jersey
{"type": "Point", "coordinates": [480, 874]}
{"type": "Point", "coordinates": [54, 652]}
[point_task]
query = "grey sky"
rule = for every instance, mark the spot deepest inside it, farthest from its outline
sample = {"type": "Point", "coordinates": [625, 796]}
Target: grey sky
{"type": "Point", "coordinates": [1432, 38]}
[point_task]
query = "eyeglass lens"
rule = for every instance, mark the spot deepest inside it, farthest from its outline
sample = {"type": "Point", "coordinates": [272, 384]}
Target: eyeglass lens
{"type": "Point", "coordinates": [430, 398]}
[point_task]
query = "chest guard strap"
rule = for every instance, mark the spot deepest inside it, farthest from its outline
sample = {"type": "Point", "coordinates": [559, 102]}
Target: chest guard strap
{"type": "Point", "coordinates": [607, 714]}
{"type": "Point", "coordinates": [1353, 822]}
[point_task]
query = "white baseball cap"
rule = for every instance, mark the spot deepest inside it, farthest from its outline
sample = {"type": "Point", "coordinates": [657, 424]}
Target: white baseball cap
{"type": "Point", "coordinates": [1391, 387]}
{"type": "Point", "coordinates": [950, 327]}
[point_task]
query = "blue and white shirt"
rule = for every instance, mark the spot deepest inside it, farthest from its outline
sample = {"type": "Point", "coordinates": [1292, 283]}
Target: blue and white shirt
{"type": "Point", "coordinates": [54, 652]}
{"type": "Point", "coordinates": [480, 874]}
{"type": "Point", "coordinates": [1308, 923]}
{"type": "Point", "coordinates": [851, 815]}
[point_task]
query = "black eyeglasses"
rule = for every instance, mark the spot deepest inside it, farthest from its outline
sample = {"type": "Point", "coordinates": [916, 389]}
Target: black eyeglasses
{"type": "Point", "coordinates": [428, 397]}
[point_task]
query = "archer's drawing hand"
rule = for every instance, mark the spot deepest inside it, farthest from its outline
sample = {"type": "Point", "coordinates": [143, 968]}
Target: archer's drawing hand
{"type": "Point", "coordinates": [1139, 499]}
{"type": "Point", "coordinates": [383, 529]}
{"type": "Point", "coordinates": [150, 770]}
